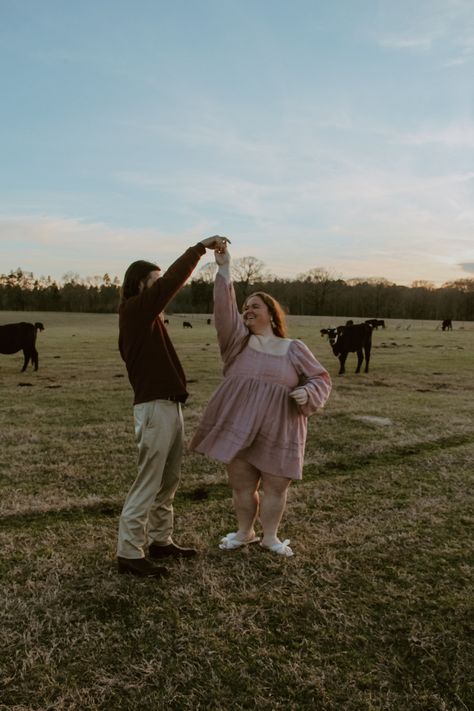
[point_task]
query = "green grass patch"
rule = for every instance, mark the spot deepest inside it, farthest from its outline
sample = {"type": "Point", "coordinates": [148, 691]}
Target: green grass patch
{"type": "Point", "coordinates": [373, 613]}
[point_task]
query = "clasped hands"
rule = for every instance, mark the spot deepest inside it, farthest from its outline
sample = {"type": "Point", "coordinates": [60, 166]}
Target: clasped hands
{"type": "Point", "coordinates": [217, 242]}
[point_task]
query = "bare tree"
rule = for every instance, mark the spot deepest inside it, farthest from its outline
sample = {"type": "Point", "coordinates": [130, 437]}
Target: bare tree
{"type": "Point", "coordinates": [247, 270]}
{"type": "Point", "coordinates": [316, 276]}
{"type": "Point", "coordinates": [72, 278]}
{"type": "Point", "coordinates": [206, 273]}
{"type": "Point", "coordinates": [317, 281]}
{"type": "Point", "coordinates": [463, 285]}
{"type": "Point", "coordinates": [423, 284]}
{"type": "Point", "coordinates": [370, 281]}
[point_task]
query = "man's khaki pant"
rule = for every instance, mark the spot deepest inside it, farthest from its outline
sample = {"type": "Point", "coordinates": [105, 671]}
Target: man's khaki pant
{"type": "Point", "coordinates": [147, 514]}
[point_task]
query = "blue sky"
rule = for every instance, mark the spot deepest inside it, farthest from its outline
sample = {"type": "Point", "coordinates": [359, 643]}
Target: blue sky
{"type": "Point", "coordinates": [335, 135]}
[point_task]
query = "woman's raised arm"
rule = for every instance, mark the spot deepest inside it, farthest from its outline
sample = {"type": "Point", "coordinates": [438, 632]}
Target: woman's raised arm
{"type": "Point", "coordinates": [231, 330]}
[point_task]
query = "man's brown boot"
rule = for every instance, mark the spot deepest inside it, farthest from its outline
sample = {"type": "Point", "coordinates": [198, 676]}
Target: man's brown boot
{"type": "Point", "coordinates": [142, 567]}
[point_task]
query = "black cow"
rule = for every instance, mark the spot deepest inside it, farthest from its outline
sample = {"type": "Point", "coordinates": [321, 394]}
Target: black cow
{"type": "Point", "coordinates": [21, 336]}
{"type": "Point", "coordinates": [447, 325]}
{"type": "Point", "coordinates": [209, 321]}
{"type": "Point", "coordinates": [350, 339]}
{"type": "Point", "coordinates": [376, 322]}
{"type": "Point", "coordinates": [186, 324]}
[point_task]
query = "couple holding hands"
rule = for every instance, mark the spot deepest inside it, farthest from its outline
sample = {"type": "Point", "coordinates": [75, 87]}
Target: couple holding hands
{"type": "Point", "coordinates": [255, 422]}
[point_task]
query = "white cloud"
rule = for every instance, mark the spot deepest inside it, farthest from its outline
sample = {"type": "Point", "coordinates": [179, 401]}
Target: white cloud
{"type": "Point", "coordinates": [208, 132]}
{"type": "Point", "coordinates": [457, 61]}
{"type": "Point", "coordinates": [419, 42]}
{"type": "Point", "coordinates": [400, 246]}
{"type": "Point", "coordinates": [438, 27]}
{"type": "Point", "coordinates": [48, 245]}
{"type": "Point", "coordinates": [458, 135]}
{"type": "Point", "coordinates": [360, 211]}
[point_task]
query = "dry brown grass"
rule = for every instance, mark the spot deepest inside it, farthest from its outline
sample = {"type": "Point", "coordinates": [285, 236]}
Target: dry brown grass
{"type": "Point", "coordinates": [372, 613]}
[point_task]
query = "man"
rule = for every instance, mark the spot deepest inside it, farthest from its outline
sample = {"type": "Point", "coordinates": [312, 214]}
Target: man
{"type": "Point", "coordinates": [159, 387]}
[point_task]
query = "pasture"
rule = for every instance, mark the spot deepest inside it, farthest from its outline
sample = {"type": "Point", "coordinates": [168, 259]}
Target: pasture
{"type": "Point", "coordinates": [372, 613]}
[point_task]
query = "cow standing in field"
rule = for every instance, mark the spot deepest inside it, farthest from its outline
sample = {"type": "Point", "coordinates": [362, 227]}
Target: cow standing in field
{"type": "Point", "coordinates": [350, 339]}
{"type": "Point", "coordinates": [447, 325]}
{"type": "Point", "coordinates": [21, 336]}
{"type": "Point", "coordinates": [186, 324]}
{"type": "Point", "coordinates": [376, 322]}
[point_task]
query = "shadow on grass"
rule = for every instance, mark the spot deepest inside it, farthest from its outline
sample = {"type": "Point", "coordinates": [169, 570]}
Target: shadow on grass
{"type": "Point", "coordinates": [219, 491]}
{"type": "Point", "coordinates": [389, 456]}
{"type": "Point", "coordinates": [105, 509]}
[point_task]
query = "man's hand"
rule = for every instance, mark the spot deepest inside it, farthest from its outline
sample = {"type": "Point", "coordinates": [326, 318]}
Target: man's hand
{"type": "Point", "coordinates": [215, 242]}
{"type": "Point", "coordinates": [300, 396]}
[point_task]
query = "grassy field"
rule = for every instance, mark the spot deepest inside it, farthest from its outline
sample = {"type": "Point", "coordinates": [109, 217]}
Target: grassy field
{"type": "Point", "coordinates": [374, 611]}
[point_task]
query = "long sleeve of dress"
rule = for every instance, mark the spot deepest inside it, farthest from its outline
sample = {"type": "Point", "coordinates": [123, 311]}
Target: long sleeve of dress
{"type": "Point", "coordinates": [313, 377]}
{"type": "Point", "coordinates": [231, 330]}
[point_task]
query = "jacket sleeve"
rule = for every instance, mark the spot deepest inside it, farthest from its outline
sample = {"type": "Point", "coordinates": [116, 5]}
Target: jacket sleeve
{"type": "Point", "coordinates": [313, 377]}
{"type": "Point", "coordinates": [231, 330]}
{"type": "Point", "coordinates": [152, 301]}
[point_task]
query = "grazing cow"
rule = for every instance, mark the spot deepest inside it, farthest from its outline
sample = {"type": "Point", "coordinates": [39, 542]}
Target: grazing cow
{"type": "Point", "coordinates": [186, 324]}
{"type": "Point", "coordinates": [166, 322]}
{"type": "Point", "coordinates": [376, 322]}
{"type": "Point", "coordinates": [447, 325]}
{"type": "Point", "coordinates": [21, 336]}
{"type": "Point", "coordinates": [350, 339]}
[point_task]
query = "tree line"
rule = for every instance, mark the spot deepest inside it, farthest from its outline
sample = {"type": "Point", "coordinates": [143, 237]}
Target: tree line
{"type": "Point", "coordinates": [315, 292]}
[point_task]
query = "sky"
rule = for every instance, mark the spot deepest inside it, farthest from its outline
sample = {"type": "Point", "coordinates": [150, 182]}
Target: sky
{"type": "Point", "coordinates": [328, 134]}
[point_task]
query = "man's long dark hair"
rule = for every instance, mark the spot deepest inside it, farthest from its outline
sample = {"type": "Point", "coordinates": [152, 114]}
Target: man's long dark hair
{"type": "Point", "coordinates": [136, 272]}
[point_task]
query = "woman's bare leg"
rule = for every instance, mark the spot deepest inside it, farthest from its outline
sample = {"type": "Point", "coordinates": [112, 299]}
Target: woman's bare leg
{"type": "Point", "coordinates": [272, 506]}
{"type": "Point", "coordinates": [244, 480]}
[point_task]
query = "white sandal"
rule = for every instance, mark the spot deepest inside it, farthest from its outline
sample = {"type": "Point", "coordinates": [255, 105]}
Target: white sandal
{"type": "Point", "coordinates": [231, 542]}
{"type": "Point", "coordinates": [281, 548]}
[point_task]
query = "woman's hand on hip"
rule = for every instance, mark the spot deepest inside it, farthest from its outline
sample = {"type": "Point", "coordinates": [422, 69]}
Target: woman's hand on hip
{"type": "Point", "coordinates": [300, 396]}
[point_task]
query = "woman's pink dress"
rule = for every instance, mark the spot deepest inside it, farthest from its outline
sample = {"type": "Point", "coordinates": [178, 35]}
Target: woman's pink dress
{"type": "Point", "coordinates": [251, 415]}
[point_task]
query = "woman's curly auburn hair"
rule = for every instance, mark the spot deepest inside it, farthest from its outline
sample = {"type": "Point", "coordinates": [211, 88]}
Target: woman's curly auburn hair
{"type": "Point", "coordinates": [276, 312]}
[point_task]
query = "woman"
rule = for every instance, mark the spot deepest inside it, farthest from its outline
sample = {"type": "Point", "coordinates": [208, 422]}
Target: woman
{"type": "Point", "coordinates": [256, 421]}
